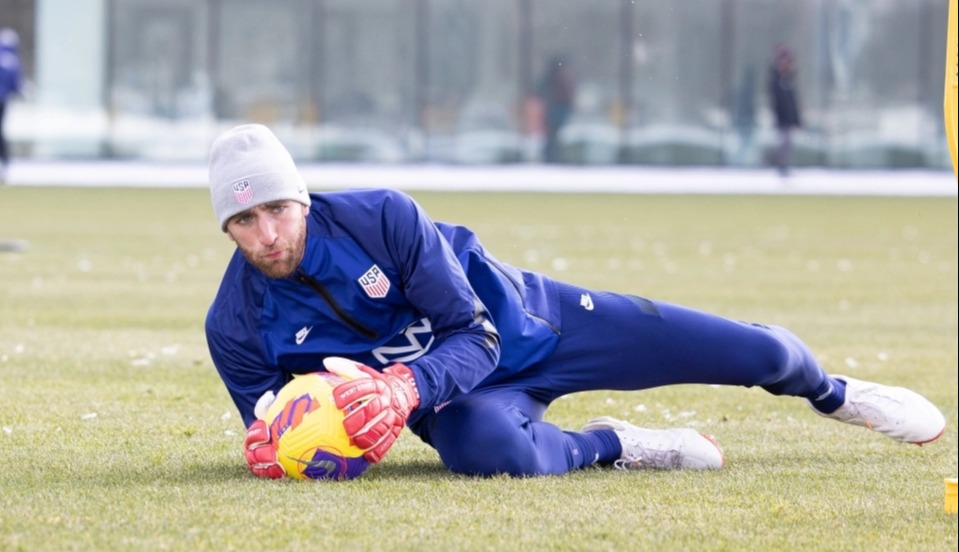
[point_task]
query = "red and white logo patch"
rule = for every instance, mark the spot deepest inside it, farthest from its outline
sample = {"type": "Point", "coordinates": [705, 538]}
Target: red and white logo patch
{"type": "Point", "coordinates": [243, 192]}
{"type": "Point", "coordinates": [374, 283]}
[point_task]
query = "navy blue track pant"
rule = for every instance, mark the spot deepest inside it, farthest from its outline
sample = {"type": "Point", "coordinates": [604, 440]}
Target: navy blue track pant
{"type": "Point", "coordinates": [623, 343]}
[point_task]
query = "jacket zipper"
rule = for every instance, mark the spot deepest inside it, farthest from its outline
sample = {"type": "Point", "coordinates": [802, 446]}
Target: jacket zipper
{"type": "Point", "coordinates": [344, 316]}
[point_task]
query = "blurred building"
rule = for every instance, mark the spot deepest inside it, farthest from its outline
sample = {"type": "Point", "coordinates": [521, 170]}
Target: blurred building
{"type": "Point", "coordinates": [454, 81]}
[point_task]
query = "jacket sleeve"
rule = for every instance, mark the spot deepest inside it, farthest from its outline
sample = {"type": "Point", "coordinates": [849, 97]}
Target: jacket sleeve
{"type": "Point", "coordinates": [236, 350]}
{"type": "Point", "coordinates": [467, 346]}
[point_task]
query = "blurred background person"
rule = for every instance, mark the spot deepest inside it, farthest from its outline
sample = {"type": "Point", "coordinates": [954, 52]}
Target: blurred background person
{"type": "Point", "coordinates": [785, 104]}
{"type": "Point", "coordinates": [557, 89]}
{"type": "Point", "coordinates": [10, 76]}
{"type": "Point", "coordinates": [744, 116]}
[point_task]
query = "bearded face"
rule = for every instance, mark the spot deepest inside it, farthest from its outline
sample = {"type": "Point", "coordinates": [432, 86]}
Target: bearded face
{"type": "Point", "coordinates": [271, 236]}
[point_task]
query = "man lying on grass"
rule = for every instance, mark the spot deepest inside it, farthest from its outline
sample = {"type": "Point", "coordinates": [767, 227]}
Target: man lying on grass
{"type": "Point", "coordinates": [466, 351]}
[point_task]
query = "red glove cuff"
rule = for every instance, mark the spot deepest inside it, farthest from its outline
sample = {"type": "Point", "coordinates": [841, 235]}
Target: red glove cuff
{"type": "Point", "coordinates": [406, 374]}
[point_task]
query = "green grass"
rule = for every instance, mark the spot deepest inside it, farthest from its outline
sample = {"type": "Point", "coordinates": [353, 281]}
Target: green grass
{"type": "Point", "coordinates": [116, 434]}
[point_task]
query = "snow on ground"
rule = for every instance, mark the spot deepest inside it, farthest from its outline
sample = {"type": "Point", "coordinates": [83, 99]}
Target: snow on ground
{"type": "Point", "coordinates": [520, 178]}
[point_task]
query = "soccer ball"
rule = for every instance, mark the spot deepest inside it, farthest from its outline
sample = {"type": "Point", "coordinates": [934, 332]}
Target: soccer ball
{"type": "Point", "coordinates": [307, 429]}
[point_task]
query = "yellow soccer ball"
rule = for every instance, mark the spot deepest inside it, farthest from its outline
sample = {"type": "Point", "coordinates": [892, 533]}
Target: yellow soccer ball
{"type": "Point", "coordinates": [307, 429]}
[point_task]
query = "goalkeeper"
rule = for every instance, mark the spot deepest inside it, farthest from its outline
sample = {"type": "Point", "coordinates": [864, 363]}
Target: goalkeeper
{"type": "Point", "coordinates": [464, 350]}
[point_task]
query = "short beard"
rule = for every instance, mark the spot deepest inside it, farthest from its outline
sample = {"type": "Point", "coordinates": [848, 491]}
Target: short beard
{"type": "Point", "coordinates": [281, 269]}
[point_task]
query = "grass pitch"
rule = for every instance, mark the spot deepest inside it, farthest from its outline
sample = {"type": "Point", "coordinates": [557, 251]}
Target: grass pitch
{"type": "Point", "coordinates": [116, 434]}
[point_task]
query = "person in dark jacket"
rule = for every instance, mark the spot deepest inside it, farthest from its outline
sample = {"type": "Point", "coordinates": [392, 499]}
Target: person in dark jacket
{"type": "Point", "coordinates": [557, 90]}
{"type": "Point", "coordinates": [10, 79]}
{"type": "Point", "coordinates": [435, 334]}
{"type": "Point", "coordinates": [785, 105]}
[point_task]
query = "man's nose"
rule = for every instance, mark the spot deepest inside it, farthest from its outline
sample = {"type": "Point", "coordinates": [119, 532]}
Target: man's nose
{"type": "Point", "coordinates": [267, 230]}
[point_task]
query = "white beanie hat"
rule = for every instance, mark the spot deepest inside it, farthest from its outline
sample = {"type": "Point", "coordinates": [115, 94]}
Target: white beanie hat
{"type": "Point", "coordinates": [248, 167]}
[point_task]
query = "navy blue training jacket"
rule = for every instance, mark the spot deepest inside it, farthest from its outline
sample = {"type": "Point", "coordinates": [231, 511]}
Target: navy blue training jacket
{"type": "Point", "coordinates": [381, 283]}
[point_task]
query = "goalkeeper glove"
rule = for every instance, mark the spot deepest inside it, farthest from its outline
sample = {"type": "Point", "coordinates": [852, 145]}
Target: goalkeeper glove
{"type": "Point", "coordinates": [376, 404]}
{"type": "Point", "coordinates": [258, 448]}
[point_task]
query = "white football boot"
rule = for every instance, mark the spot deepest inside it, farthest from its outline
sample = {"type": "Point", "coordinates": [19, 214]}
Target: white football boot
{"type": "Point", "coordinates": [661, 448]}
{"type": "Point", "coordinates": [896, 412]}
